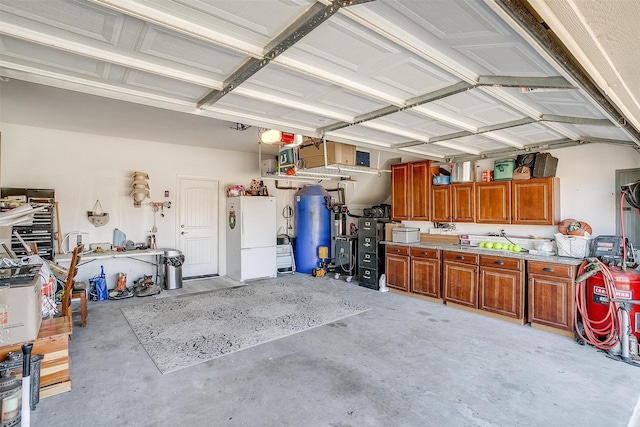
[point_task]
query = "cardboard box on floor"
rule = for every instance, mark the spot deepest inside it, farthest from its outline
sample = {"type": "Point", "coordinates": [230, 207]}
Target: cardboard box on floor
{"type": "Point", "coordinates": [337, 153]}
{"type": "Point", "coordinates": [21, 312]}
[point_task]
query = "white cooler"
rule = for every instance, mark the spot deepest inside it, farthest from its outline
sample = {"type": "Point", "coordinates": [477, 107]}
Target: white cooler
{"type": "Point", "coordinates": [405, 235]}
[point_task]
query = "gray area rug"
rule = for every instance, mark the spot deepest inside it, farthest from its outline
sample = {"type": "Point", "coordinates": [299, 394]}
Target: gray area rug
{"type": "Point", "coordinates": [187, 330]}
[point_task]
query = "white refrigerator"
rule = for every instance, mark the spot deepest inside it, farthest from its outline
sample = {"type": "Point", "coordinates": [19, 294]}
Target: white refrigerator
{"type": "Point", "coordinates": [251, 237]}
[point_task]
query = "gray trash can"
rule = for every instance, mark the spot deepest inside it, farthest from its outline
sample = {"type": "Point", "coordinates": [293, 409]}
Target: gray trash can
{"type": "Point", "coordinates": [172, 260]}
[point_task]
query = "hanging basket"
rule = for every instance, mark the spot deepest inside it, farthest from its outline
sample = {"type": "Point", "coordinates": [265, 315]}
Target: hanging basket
{"type": "Point", "coordinates": [97, 216]}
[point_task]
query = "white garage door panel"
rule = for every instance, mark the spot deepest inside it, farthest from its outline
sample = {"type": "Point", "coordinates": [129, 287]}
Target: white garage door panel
{"type": "Point", "coordinates": [349, 66]}
{"type": "Point", "coordinates": [186, 50]}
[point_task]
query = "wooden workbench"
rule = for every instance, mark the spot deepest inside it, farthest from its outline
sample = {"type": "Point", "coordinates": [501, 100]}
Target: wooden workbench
{"type": "Point", "coordinates": [53, 343]}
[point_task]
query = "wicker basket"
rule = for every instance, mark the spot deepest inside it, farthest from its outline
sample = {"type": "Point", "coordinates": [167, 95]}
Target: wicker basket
{"type": "Point", "coordinates": [573, 246]}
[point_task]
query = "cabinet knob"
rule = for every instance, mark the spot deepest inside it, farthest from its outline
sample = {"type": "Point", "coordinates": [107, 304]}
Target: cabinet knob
{"type": "Point", "coordinates": [459, 257]}
{"type": "Point", "coordinates": [547, 269]}
{"type": "Point", "coordinates": [499, 262]}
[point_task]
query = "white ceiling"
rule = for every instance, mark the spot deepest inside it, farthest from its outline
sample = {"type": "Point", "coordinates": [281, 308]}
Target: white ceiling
{"type": "Point", "coordinates": [437, 79]}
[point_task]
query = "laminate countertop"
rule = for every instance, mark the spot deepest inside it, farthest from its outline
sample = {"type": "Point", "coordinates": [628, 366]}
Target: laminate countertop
{"type": "Point", "coordinates": [552, 259]}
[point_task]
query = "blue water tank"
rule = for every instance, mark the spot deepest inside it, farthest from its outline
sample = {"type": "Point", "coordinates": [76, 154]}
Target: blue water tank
{"type": "Point", "coordinates": [313, 226]}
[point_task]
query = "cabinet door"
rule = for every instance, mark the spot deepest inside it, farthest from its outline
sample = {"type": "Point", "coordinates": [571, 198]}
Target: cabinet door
{"type": "Point", "coordinates": [460, 283]}
{"type": "Point", "coordinates": [535, 201]}
{"type": "Point", "coordinates": [441, 203]}
{"type": "Point", "coordinates": [551, 301]}
{"type": "Point", "coordinates": [493, 202]}
{"type": "Point", "coordinates": [425, 277]}
{"type": "Point", "coordinates": [462, 202]}
{"type": "Point", "coordinates": [397, 271]}
{"type": "Point", "coordinates": [400, 191]}
{"type": "Point", "coordinates": [420, 190]}
{"type": "Point", "coordinates": [502, 292]}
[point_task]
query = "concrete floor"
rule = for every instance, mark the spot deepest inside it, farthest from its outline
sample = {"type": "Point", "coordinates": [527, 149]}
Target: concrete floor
{"type": "Point", "coordinates": [406, 362]}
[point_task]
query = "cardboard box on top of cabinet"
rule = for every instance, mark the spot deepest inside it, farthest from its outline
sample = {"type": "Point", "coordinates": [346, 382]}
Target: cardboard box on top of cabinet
{"type": "Point", "coordinates": [337, 153]}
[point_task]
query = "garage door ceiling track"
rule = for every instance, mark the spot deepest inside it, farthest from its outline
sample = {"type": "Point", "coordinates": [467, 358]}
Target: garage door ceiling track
{"type": "Point", "coordinates": [445, 80]}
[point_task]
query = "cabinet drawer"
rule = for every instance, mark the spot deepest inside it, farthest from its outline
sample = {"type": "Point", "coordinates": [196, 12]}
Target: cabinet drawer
{"type": "Point", "coordinates": [425, 253]}
{"type": "Point", "coordinates": [501, 262]}
{"type": "Point", "coordinates": [560, 270]}
{"type": "Point", "coordinates": [368, 260]}
{"type": "Point", "coordinates": [398, 250]}
{"type": "Point", "coordinates": [461, 257]}
{"type": "Point", "coordinates": [368, 277]}
{"type": "Point", "coordinates": [367, 243]}
{"type": "Point", "coordinates": [370, 227]}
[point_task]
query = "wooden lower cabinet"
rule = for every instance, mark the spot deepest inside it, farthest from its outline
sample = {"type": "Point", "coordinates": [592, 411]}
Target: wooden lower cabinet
{"type": "Point", "coordinates": [460, 278]}
{"type": "Point", "coordinates": [551, 296]}
{"type": "Point", "coordinates": [502, 286]}
{"type": "Point", "coordinates": [397, 267]}
{"type": "Point", "coordinates": [542, 293]}
{"type": "Point", "coordinates": [425, 272]}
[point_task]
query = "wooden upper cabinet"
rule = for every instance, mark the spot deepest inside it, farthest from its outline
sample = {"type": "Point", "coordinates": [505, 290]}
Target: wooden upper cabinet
{"type": "Point", "coordinates": [493, 202]}
{"type": "Point", "coordinates": [410, 190]}
{"type": "Point", "coordinates": [420, 173]}
{"type": "Point", "coordinates": [453, 202]}
{"type": "Point", "coordinates": [462, 202]}
{"type": "Point", "coordinates": [400, 183]}
{"type": "Point", "coordinates": [535, 201]}
{"type": "Point", "coordinates": [441, 203]}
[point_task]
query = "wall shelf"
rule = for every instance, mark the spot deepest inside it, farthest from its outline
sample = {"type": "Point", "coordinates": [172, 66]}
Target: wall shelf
{"type": "Point", "coordinates": [329, 172]}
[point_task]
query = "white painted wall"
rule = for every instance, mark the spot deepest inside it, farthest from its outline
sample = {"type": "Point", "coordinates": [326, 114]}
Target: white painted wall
{"type": "Point", "coordinates": [83, 168]}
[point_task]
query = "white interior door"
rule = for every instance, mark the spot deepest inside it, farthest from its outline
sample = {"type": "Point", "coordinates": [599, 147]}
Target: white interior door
{"type": "Point", "coordinates": [198, 225]}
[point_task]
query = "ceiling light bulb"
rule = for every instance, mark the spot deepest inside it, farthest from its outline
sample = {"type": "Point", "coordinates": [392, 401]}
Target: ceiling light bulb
{"type": "Point", "coordinates": [276, 137]}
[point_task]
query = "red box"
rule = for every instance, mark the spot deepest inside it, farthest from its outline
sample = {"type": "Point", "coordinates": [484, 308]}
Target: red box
{"type": "Point", "coordinates": [487, 176]}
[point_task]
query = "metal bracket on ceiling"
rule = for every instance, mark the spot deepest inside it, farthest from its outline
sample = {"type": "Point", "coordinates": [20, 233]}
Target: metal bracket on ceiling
{"type": "Point", "coordinates": [517, 10]}
{"type": "Point", "coordinates": [512, 124]}
{"type": "Point", "coordinates": [307, 22]}
{"type": "Point", "coordinates": [411, 103]}
{"type": "Point", "coordinates": [559, 83]}
{"type": "Point", "coordinates": [240, 127]}
{"type": "Point", "coordinates": [501, 81]}
{"type": "Point", "coordinates": [576, 120]}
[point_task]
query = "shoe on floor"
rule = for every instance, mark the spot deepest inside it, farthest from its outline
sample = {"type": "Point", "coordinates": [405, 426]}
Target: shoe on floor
{"type": "Point", "coordinates": [143, 283]}
{"type": "Point", "coordinates": [125, 293]}
{"type": "Point", "coordinates": [149, 290]}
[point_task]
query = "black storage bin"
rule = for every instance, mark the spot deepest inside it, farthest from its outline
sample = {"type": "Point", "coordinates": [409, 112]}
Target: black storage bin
{"type": "Point", "coordinates": [545, 165]}
{"type": "Point", "coordinates": [12, 365]}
